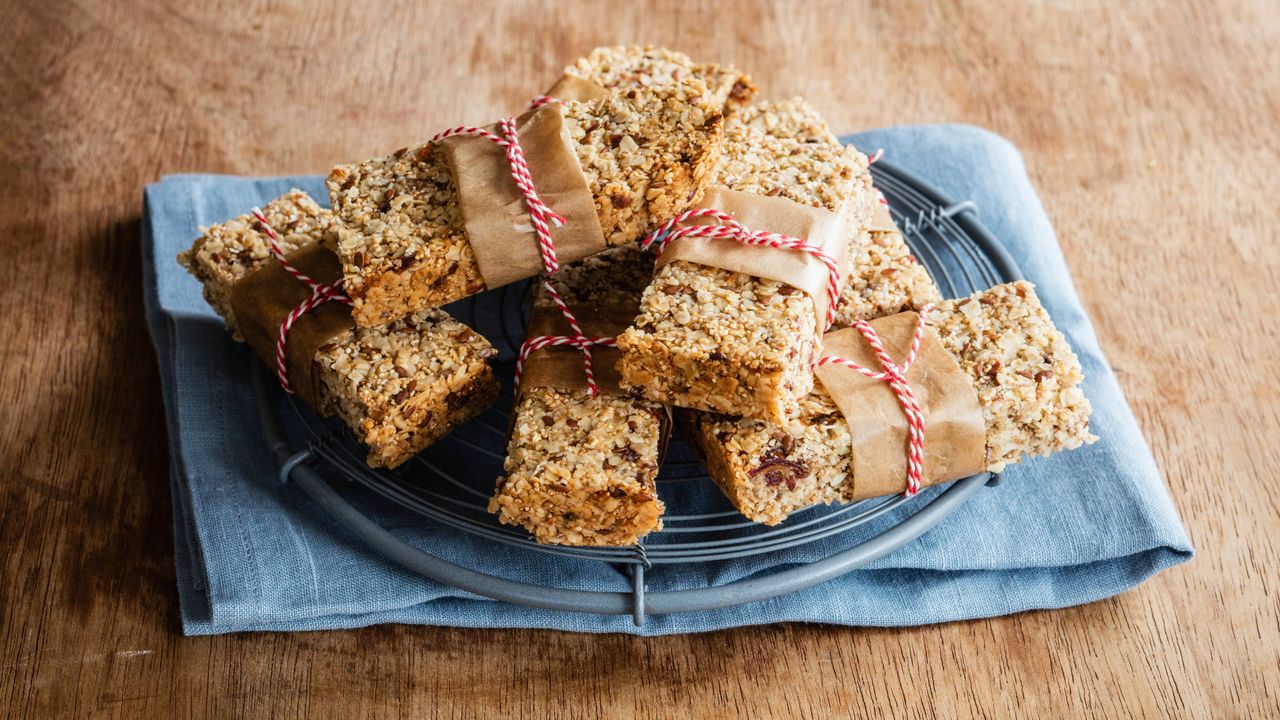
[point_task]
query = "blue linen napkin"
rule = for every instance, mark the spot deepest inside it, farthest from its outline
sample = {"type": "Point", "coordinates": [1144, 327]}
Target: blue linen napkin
{"type": "Point", "coordinates": [252, 554]}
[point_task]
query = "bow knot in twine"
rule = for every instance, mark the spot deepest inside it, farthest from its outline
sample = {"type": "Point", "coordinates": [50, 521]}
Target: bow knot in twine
{"type": "Point", "coordinates": [321, 293]}
{"type": "Point", "coordinates": [895, 374]}
{"type": "Point", "coordinates": [727, 228]}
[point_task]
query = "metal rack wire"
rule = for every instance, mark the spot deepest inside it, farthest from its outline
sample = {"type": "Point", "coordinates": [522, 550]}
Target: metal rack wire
{"type": "Point", "coordinates": [450, 483]}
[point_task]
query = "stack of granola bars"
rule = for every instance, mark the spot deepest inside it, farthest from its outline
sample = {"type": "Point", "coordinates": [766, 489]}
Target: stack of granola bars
{"type": "Point", "coordinates": [717, 337]}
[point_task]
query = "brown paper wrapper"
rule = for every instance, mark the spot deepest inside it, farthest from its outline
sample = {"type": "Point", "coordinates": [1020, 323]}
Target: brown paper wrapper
{"type": "Point", "coordinates": [955, 434]}
{"type": "Point", "coordinates": [569, 87]}
{"type": "Point", "coordinates": [494, 210]}
{"type": "Point", "coordinates": [774, 214]}
{"type": "Point", "coordinates": [560, 368]}
{"type": "Point", "coordinates": [262, 299]}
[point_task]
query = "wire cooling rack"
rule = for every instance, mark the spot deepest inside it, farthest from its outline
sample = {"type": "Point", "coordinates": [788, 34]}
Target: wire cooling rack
{"type": "Point", "coordinates": [450, 483]}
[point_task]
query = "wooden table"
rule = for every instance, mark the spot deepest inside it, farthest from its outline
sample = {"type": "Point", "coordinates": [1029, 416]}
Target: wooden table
{"type": "Point", "coordinates": [1150, 132]}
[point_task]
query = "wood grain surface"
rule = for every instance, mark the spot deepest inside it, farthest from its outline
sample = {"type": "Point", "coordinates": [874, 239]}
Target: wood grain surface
{"type": "Point", "coordinates": [1149, 128]}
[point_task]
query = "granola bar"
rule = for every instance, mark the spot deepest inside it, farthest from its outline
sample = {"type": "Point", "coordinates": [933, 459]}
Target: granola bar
{"type": "Point", "coordinates": [399, 387]}
{"type": "Point", "coordinates": [647, 153]}
{"type": "Point", "coordinates": [1028, 385]}
{"type": "Point", "coordinates": [581, 469]}
{"type": "Point", "coordinates": [717, 340]}
{"type": "Point", "coordinates": [626, 67]}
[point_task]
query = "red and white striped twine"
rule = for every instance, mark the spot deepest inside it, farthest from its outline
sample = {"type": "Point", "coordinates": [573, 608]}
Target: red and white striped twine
{"type": "Point", "coordinates": [321, 293]}
{"type": "Point", "coordinates": [541, 100]}
{"type": "Point", "coordinates": [730, 229]}
{"type": "Point", "coordinates": [896, 376]}
{"type": "Point", "coordinates": [541, 216]}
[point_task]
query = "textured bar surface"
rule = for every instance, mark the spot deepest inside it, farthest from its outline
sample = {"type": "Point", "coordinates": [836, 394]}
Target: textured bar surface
{"type": "Point", "coordinates": [398, 387]}
{"type": "Point", "coordinates": [1027, 380]}
{"type": "Point", "coordinates": [647, 154]}
{"type": "Point", "coordinates": [717, 340]}
{"type": "Point", "coordinates": [581, 470]}
{"type": "Point", "coordinates": [885, 277]}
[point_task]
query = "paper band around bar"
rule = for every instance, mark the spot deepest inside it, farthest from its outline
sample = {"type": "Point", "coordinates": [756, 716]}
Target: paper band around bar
{"type": "Point", "coordinates": [494, 210]}
{"type": "Point", "coordinates": [560, 368]}
{"type": "Point", "coordinates": [822, 228]}
{"type": "Point", "coordinates": [262, 299]}
{"type": "Point", "coordinates": [955, 432]}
